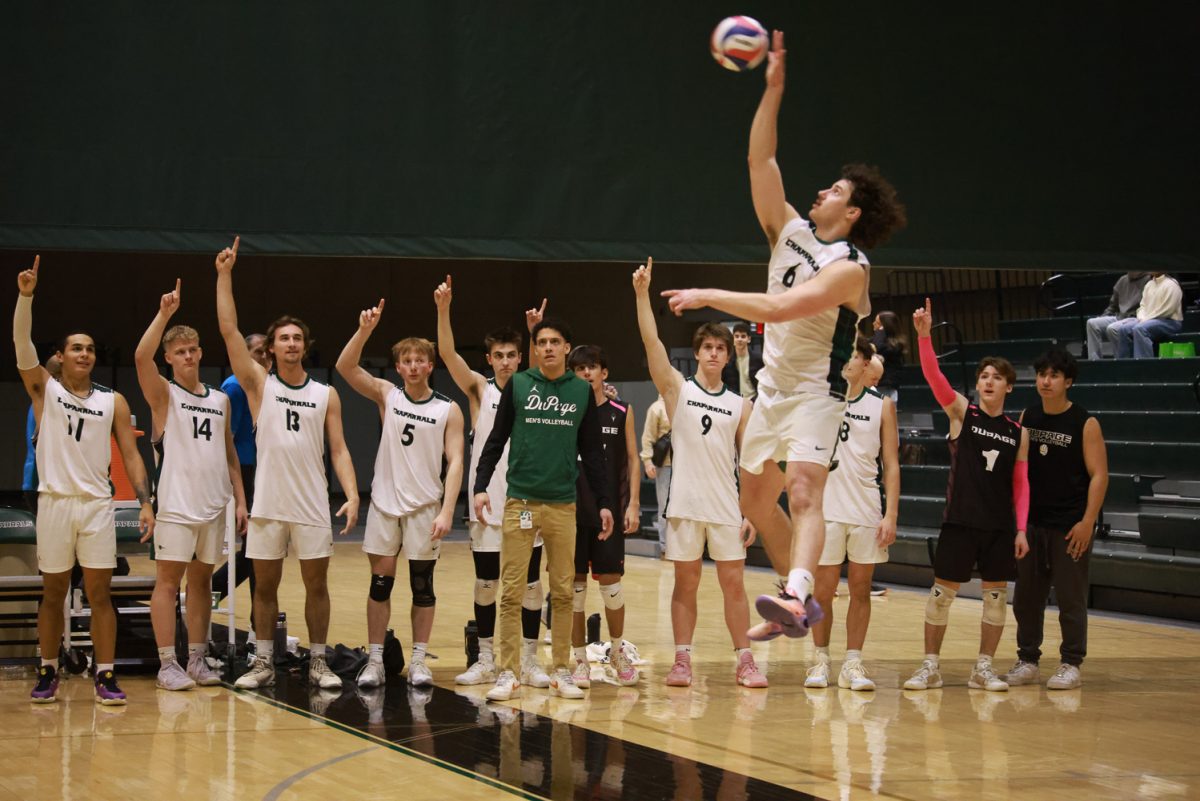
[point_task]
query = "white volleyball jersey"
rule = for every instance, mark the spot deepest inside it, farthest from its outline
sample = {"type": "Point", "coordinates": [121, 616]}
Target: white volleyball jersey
{"type": "Point", "coordinates": [852, 488]}
{"type": "Point", "coordinates": [807, 354]}
{"type": "Point", "coordinates": [193, 474]}
{"type": "Point", "coordinates": [74, 442]}
{"type": "Point", "coordinates": [704, 455]}
{"type": "Point", "coordinates": [408, 465]}
{"type": "Point", "coordinates": [289, 482]}
{"type": "Point", "coordinates": [497, 488]}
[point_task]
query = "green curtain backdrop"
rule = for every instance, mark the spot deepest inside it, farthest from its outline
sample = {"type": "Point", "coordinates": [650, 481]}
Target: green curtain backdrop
{"type": "Point", "coordinates": [1020, 134]}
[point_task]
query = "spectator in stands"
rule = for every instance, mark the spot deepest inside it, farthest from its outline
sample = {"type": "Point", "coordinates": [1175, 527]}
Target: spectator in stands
{"type": "Point", "coordinates": [1127, 294]}
{"type": "Point", "coordinates": [890, 346]}
{"type": "Point", "coordinates": [657, 426]}
{"type": "Point", "coordinates": [741, 373]}
{"type": "Point", "coordinates": [1159, 317]}
{"type": "Point", "coordinates": [1068, 476]}
{"type": "Point", "coordinates": [242, 426]}
{"type": "Point", "coordinates": [29, 479]}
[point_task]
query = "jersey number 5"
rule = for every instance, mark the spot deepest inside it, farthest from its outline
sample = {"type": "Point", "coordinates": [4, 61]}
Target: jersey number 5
{"type": "Point", "coordinates": [991, 457]}
{"type": "Point", "coordinates": [406, 436]}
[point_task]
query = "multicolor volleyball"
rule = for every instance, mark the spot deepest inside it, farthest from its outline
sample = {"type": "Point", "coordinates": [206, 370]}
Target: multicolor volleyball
{"type": "Point", "coordinates": [739, 43]}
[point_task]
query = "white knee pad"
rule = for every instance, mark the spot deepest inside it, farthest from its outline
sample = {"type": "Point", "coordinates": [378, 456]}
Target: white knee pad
{"type": "Point", "coordinates": [485, 592]}
{"type": "Point", "coordinates": [533, 597]}
{"type": "Point", "coordinates": [995, 605]}
{"type": "Point", "coordinates": [613, 598]}
{"type": "Point", "coordinates": [579, 602]}
{"type": "Point", "coordinates": [937, 608]}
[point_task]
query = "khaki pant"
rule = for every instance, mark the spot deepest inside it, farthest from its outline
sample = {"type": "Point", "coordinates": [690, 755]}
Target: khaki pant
{"type": "Point", "coordinates": [556, 523]}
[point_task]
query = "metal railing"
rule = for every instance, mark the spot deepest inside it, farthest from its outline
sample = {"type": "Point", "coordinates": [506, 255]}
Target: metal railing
{"type": "Point", "coordinates": [1045, 295]}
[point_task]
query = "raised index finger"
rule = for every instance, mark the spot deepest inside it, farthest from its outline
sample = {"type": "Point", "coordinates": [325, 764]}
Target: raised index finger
{"type": "Point", "coordinates": [543, 309]}
{"type": "Point", "coordinates": [928, 306]}
{"type": "Point", "coordinates": [236, 241]}
{"type": "Point", "coordinates": [178, 281]}
{"type": "Point", "coordinates": [36, 261]}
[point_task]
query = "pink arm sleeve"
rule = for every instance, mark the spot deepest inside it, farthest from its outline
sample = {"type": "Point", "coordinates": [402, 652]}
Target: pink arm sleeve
{"type": "Point", "coordinates": [1021, 494]}
{"type": "Point", "coordinates": [942, 392]}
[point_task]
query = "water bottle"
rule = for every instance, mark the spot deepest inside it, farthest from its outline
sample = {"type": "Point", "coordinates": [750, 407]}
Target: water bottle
{"type": "Point", "coordinates": [280, 634]}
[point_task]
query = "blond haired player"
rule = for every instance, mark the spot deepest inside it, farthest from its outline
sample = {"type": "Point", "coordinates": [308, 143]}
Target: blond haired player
{"type": "Point", "coordinates": [293, 416]}
{"type": "Point", "coordinates": [410, 509]}
{"type": "Point", "coordinates": [198, 472]}
{"type": "Point", "coordinates": [75, 420]}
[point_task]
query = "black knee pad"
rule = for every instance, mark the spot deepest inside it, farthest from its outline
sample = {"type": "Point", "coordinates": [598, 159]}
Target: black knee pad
{"type": "Point", "coordinates": [535, 565]}
{"type": "Point", "coordinates": [420, 577]}
{"type": "Point", "coordinates": [381, 587]}
{"type": "Point", "coordinates": [487, 565]}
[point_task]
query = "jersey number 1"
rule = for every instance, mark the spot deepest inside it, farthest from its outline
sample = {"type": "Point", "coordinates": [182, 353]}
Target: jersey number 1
{"type": "Point", "coordinates": [991, 457]}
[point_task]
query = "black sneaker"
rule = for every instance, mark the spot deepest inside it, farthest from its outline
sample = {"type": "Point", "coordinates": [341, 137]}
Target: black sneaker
{"type": "Point", "coordinates": [107, 691]}
{"type": "Point", "coordinates": [46, 690]}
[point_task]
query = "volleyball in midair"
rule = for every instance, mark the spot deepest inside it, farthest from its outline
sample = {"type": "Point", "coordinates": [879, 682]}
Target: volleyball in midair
{"type": "Point", "coordinates": [739, 43]}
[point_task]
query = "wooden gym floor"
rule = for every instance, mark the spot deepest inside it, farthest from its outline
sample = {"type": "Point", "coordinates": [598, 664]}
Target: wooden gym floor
{"type": "Point", "coordinates": [1130, 732]}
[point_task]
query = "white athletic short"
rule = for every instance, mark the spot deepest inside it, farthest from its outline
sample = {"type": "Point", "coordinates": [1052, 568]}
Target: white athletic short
{"type": "Point", "coordinates": [71, 527]}
{"type": "Point", "coordinates": [798, 427]}
{"type": "Point", "coordinates": [486, 539]}
{"type": "Point", "coordinates": [269, 539]}
{"type": "Point", "coordinates": [857, 542]}
{"type": "Point", "coordinates": [179, 542]}
{"type": "Point", "coordinates": [412, 534]}
{"type": "Point", "coordinates": [686, 538]}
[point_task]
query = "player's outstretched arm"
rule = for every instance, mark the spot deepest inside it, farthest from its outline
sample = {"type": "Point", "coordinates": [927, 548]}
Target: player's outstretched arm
{"type": "Point", "coordinates": [469, 381]}
{"type": "Point", "coordinates": [154, 386]}
{"type": "Point", "coordinates": [667, 380]}
{"type": "Point", "coordinates": [135, 468]}
{"type": "Point", "coordinates": [33, 375]}
{"type": "Point", "coordinates": [838, 284]}
{"type": "Point", "coordinates": [766, 181]}
{"type": "Point", "coordinates": [250, 374]}
{"type": "Point", "coordinates": [455, 443]}
{"type": "Point", "coordinates": [532, 318]}
{"type": "Point", "coordinates": [339, 457]}
{"type": "Point", "coordinates": [348, 366]}
{"type": "Point", "coordinates": [954, 403]}
{"type": "Point", "coordinates": [889, 455]}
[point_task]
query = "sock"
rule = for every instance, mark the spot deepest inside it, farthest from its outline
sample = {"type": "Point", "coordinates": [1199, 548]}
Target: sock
{"type": "Point", "coordinates": [487, 649]}
{"type": "Point", "coordinates": [197, 648]}
{"type": "Point", "coordinates": [103, 666]}
{"type": "Point", "coordinates": [823, 653]}
{"type": "Point", "coordinates": [166, 655]}
{"type": "Point", "coordinates": [739, 652]}
{"type": "Point", "coordinates": [316, 650]}
{"type": "Point", "coordinates": [799, 583]}
{"type": "Point", "coordinates": [418, 654]}
{"type": "Point", "coordinates": [528, 646]}
{"type": "Point", "coordinates": [683, 649]}
{"type": "Point", "coordinates": [50, 663]}
{"type": "Point", "coordinates": [617, 642]}
{"type": "Point", "coordinates": [266, 650]}
{"type": "Point", "coordinates": [580, 653]}
{"type": "Point", "coordinates": [375, 653]}
{"type": "Point", "coordinates": [984, 660]}
{"type": "Point", "coordinates": [852, 656]}
{"type": "Point", "coordinates": [932, 659]}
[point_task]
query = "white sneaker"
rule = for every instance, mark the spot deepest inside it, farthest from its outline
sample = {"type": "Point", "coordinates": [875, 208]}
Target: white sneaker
{"type": "Point", "coordinates": [532, 674]}
{"type": "Point", "coordinates": [173, 677]}
{"type": "Point", "coordinates": [482, 672]}
{"type": "Point", "coordinates": [260, 674]}
{"type": "Point", "coordinates": [817, 676]}
{"type": "Point", "coordinates": [1065, 678]}
{"type": "Point", "coordinates": [1023, 673]}
{"type": "Point", "coordinates": [627, 674]}
{"type": "Point", "coordinates": [582, 674]}
{"type": "Point", "coordinates": [507, 687]}
{"type": "Point", "coordinates": [371, 676]}
{"type": "Point", "coordinates": [926, 677]}
{"type": "Point", "coordinates": [319, 674]}
{"type": "Point", "coordinates": [201, 672]}
{"type": "Point", "coordinates": [853, 676]}
{"type": "Point", "coordinates": [563, 685]}
{"type": "Point", "coordinates": [983, 677]}
{"type": "Point", "coordinates": [419, 674]}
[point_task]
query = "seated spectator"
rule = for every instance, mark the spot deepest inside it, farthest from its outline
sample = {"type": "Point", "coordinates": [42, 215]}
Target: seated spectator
{"type": "Point", "coordinates": [741, 373]}
{"type": "Point", "coordinates": [1127, 294]}
{"type": "Point", "coordinates": [1159, 317]}
{"type": "Point", "coordinates": [890, 347]}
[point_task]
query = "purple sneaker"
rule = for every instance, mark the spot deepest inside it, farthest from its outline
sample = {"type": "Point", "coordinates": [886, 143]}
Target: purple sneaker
{"type": "Point", "coordinates": [107, 691]}
{"type": "Point", "coordinates": [793, 617]}
{"type": "Point", "coordinates": [46, 690]}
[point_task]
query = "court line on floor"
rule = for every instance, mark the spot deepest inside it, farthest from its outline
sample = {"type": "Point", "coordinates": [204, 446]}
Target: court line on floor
{"type": "Point", "coordinates": [282, 787]}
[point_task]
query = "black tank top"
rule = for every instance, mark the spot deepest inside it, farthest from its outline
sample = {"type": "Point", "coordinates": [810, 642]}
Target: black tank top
{"type": "Point", "coordinates": [613, 417]}
{"type": "Point", "coordinates": [982, 458]}
{"type": "Point", "coordinates": [1058, 477]}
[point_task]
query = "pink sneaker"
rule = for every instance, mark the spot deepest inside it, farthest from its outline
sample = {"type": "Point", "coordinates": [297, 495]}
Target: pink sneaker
{"type": "Point", "coordinates": [762, 632]}
{"type": "Point", "coordinates": [748, 674]}
{"type": "Point", "coordinates": [793, 617]}
{"type": "Point", "coordinates": [681, 671]}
